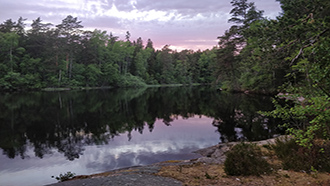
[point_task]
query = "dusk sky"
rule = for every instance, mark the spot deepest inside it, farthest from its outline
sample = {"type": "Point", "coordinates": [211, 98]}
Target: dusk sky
{"type": "Point", "coordinates": [182, 24]}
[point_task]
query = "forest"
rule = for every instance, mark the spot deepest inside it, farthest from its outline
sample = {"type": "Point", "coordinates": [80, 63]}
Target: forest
{"type": "Point", "coordinates": [65, 55]}
{"type": "Point", "coordinates": [256, 54]}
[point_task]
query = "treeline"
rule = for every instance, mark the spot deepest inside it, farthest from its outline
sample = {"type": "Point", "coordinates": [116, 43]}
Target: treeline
{"type": "Point", "coordinates": [66, 56]}
{"type": "Point", "coordinates": [256, 54]}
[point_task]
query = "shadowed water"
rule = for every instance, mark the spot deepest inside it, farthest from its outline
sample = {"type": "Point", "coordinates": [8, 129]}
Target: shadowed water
{"type": "Point", "coordinates": [47, 133]}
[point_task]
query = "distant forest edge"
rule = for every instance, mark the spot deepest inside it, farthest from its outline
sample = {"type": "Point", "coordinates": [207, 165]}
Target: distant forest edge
{"type": "Point", "coordinates": [256, 54]}
{"type": "Point", "coordinates": [66, 56]}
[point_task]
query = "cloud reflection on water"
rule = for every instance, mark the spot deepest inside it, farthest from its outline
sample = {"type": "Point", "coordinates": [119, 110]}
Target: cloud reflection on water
{"type": "Point", "coordinates": [163, 143]}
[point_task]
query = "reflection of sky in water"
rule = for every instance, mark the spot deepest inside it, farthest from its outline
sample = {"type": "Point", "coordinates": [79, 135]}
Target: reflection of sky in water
{"type": "Point", "coordinates": [163, 143]}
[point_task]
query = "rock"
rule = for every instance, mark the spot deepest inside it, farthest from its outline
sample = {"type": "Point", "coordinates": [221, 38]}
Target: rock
{"type": "Point", "coordinates": [217, 153]}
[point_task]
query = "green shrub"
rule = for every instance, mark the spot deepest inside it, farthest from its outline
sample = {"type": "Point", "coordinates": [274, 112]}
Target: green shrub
{"type": "Point", "coordinates": [299, 158]}
{"type": "Point", "coordinates": [129, 80]}
{"type": "Point", "coordinates": [245, 159]}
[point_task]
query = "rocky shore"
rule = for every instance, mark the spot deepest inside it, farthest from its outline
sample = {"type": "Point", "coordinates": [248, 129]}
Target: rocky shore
{"type": "Point", "coordinates": [206, 170]}
{"type": "Point", "coordinates": [216, 153]}
{"type": "Point", "coordinates": [149, 175]}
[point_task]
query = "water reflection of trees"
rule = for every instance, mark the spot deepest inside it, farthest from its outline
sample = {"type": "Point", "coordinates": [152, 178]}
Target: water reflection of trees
{"type": "Point", "coordinates": [68, 121]}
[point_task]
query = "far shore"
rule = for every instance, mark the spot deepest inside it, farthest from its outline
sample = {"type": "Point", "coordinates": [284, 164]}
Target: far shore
{"type": "Point", "coordinates": [49, 89]}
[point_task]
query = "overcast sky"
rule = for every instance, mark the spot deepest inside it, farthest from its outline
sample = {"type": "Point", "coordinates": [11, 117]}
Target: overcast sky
{"type": "Point", "coordinates": [183, 24]}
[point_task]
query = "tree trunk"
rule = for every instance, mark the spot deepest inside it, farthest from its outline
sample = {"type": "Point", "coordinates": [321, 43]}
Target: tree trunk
{"type": "Point", "coordinates": [59, 76]}
{"type": "Point", "coordinates": [11, 58]}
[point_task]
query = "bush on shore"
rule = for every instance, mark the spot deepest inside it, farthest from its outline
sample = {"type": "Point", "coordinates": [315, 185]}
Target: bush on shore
{"type": "Point", "coordinates": [299, 158]}
{"type": "Point", "coordinates": [246, 159]}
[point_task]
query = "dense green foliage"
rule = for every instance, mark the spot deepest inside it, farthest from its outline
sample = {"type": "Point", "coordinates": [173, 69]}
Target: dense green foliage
{"type": "Point", "coordinates": [67, 56]}
{"type": "Point", "coordinates": [307, 48]}
{"type": "Point", "coordinates": [260, 54]}
{"type": "Point", "coordinates": [289, 54]}
{"type": "Point", "coordinates": [245, 159]}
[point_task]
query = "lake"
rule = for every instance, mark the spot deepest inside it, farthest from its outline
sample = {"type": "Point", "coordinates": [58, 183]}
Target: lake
{"type": "Point", "coordinates": [43, 134]}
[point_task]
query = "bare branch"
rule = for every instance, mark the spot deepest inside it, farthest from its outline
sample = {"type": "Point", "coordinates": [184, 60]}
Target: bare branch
{"type": "Point", "coordinates": [297, 56]}
{"type": "Point", "coordinates": [313, 40]}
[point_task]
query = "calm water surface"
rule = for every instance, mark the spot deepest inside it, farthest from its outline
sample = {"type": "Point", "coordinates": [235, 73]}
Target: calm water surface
{"type": "Point", "coordinates": [43, 134]}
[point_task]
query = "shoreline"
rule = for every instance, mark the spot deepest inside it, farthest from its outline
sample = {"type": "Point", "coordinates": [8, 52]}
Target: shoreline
{"type": "Point", "coordinates": [213, 155]}
{"type": "Point", "coordinates": [199, 171]}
